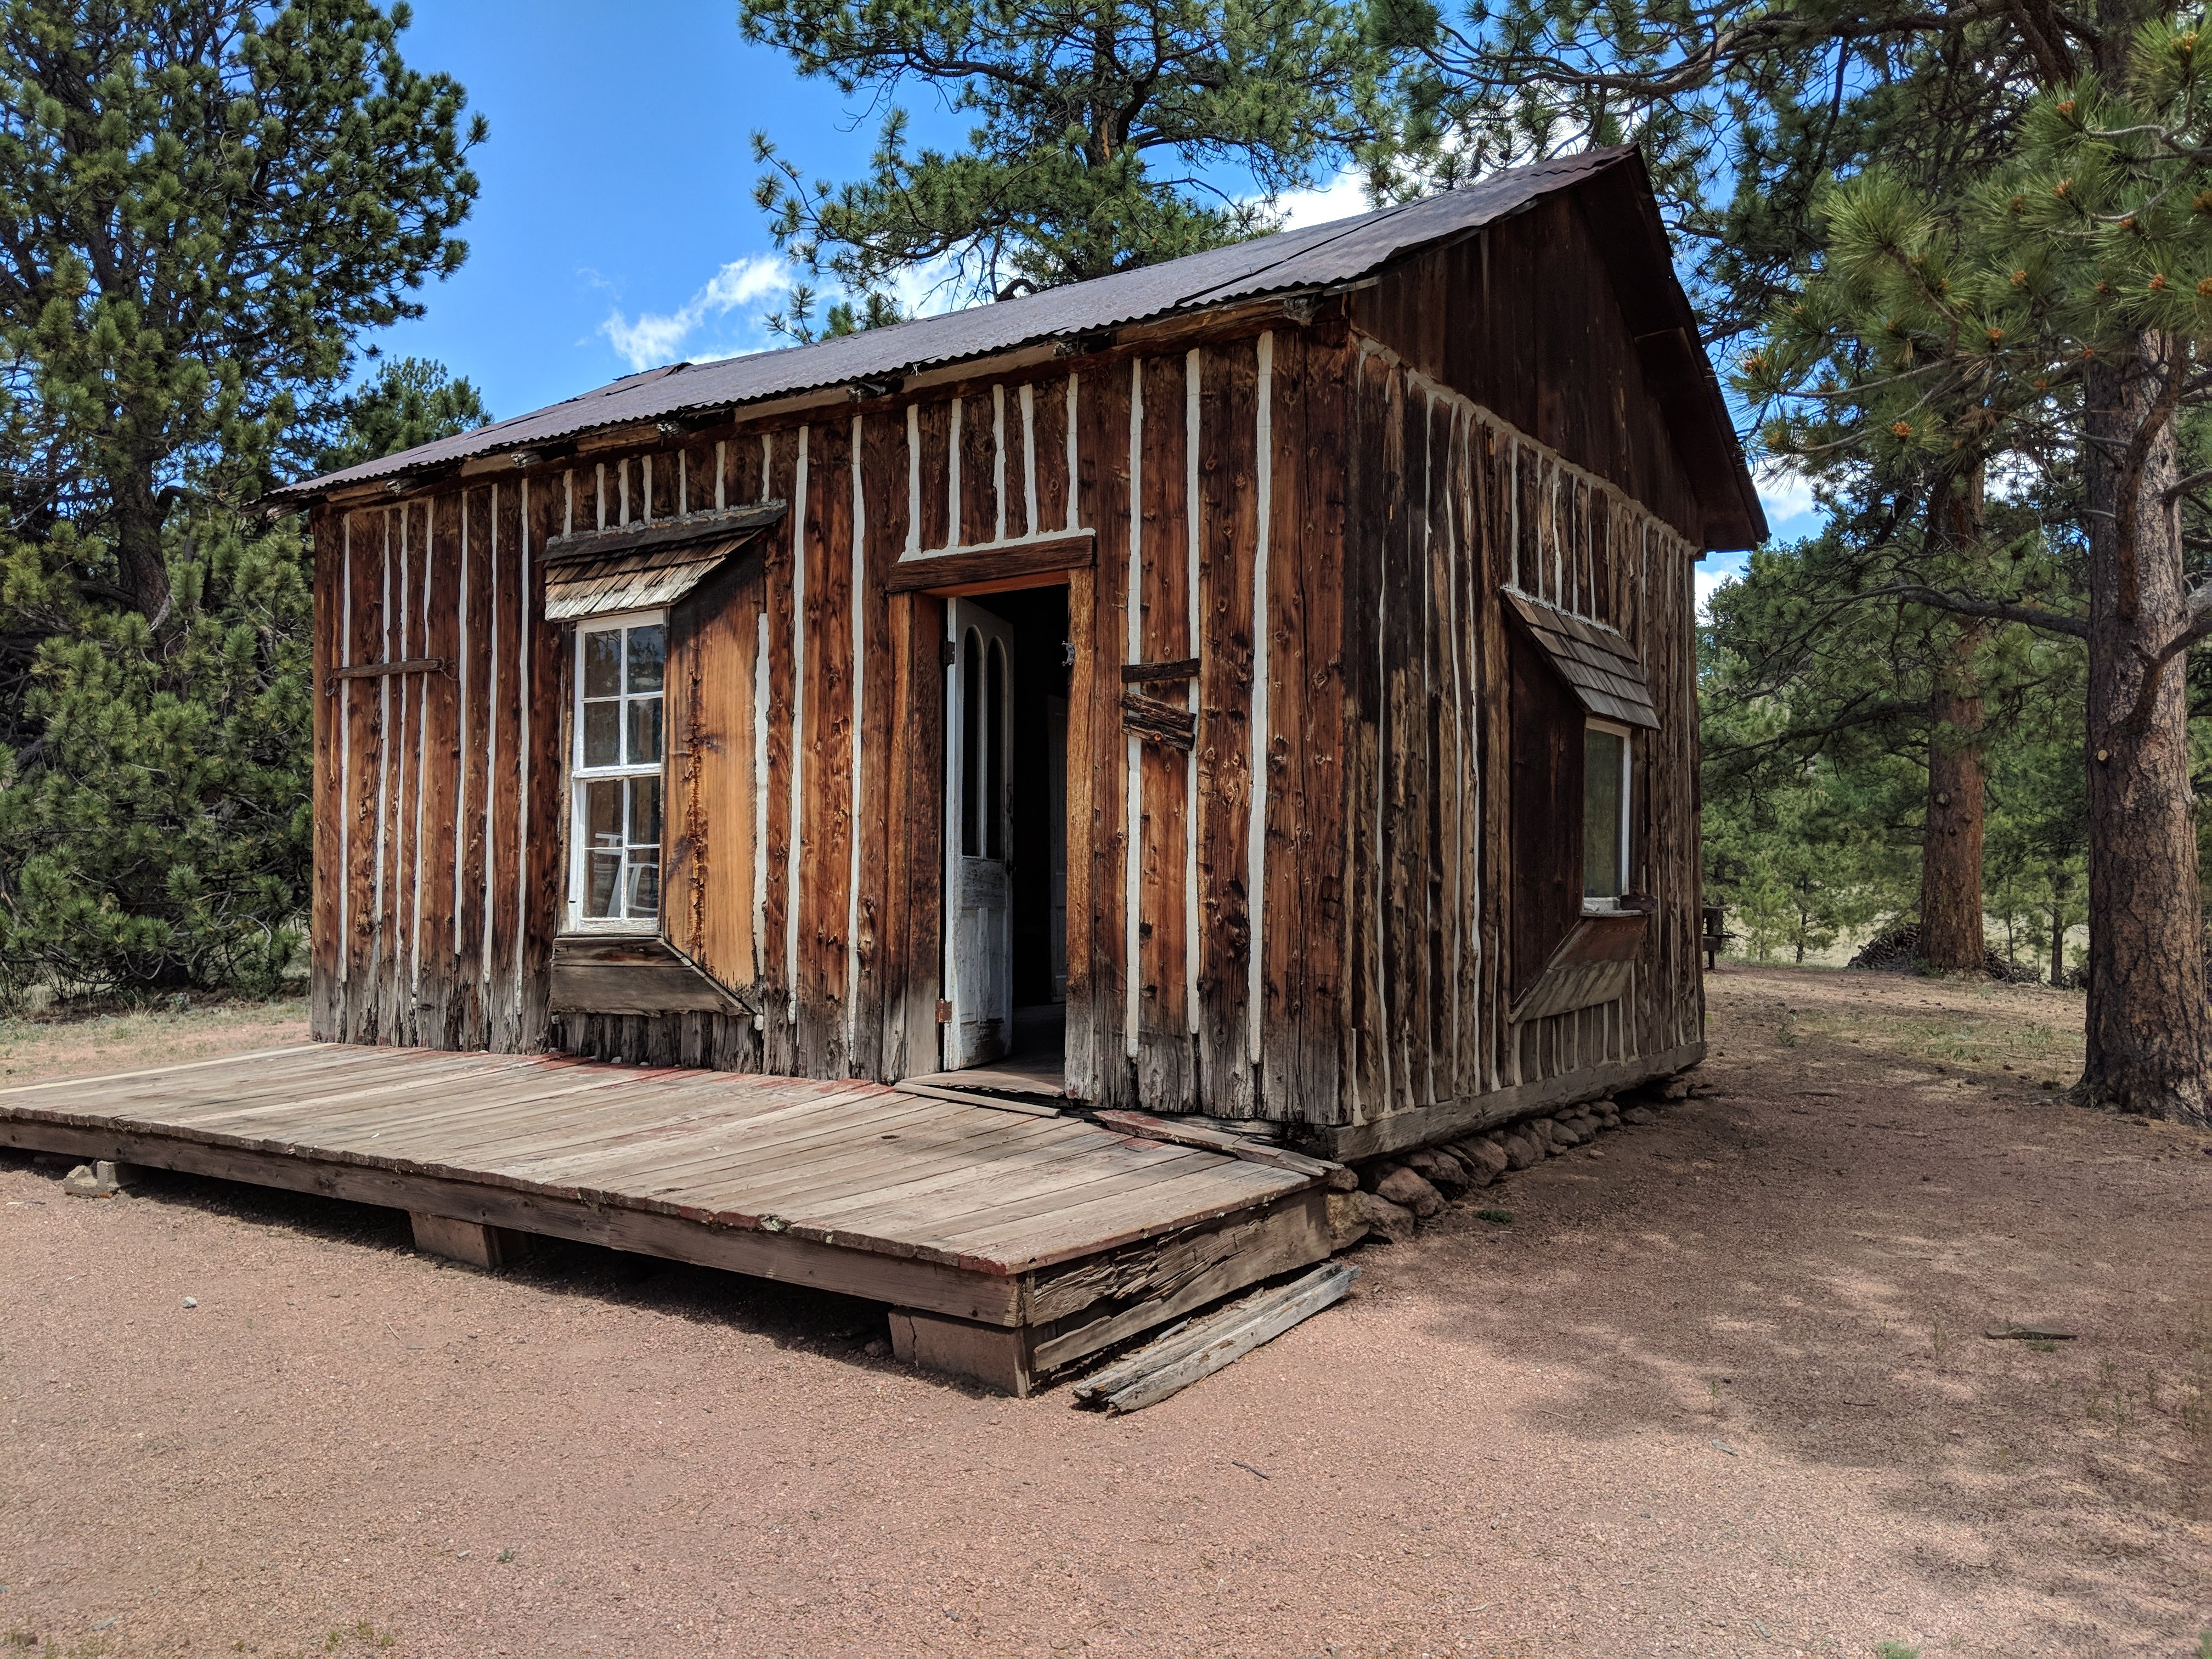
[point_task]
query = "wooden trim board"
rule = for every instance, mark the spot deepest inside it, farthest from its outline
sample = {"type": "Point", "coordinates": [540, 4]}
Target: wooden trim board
{"type": "Point", "coordinates": [1402, 1131]}
{"type": "Point", "coordinates": [937, 572]}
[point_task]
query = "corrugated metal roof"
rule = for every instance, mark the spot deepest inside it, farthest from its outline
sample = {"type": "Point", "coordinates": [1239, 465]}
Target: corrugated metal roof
{"type": "Point", "coordinates": [1318, 257]}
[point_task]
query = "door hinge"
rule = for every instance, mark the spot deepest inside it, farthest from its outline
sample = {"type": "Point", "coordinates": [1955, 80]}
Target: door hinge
{"type": "Point", "coordinates": [943, 1011]}
{"type": "Point", "coordinates": [948, 652]}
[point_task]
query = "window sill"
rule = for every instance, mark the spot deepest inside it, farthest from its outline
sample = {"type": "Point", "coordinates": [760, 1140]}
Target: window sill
{"type": "Point", "coordinates": [624, 929]}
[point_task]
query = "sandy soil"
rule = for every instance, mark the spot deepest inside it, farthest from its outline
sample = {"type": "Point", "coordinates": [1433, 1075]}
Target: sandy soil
{"type": "Point", "coordinates": [1720, 1389]}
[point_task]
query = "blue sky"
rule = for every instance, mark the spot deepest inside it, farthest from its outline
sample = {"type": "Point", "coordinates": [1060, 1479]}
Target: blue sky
{"type": "Point", "coordinates": [616, 228]}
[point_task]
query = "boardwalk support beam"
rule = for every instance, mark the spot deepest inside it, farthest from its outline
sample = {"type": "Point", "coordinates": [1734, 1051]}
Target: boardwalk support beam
{"type": "Point", "coordinates": [467, 1241]}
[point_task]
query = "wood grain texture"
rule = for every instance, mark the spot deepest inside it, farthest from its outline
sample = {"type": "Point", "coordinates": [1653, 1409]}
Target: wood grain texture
{"type": "Point", "coordinates": [1097, 1065]}
{"type": "Point", "coordinates": [1399, 769]}
{"type": "Point", "coordinates": [1228, 532]}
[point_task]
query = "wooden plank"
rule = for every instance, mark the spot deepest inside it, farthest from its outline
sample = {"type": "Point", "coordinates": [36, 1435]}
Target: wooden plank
{"type": "Point", "coordinates": [1097, 1042]}
{"type": "Point", "coordinates": [1055, 487]}
{"type": "Point", "coordinates": [1440, 739]}
{"type": "Point", "coordinates": [1166, 1068]}
{"type": "Point", "coordinates": [1015, 484]}
{"type": "Point", "coordinates": [469, 1241]}
{"type": "Point", "coordinates": [1176, 1361]}
{"type": "Point", "coordinates": [777, 990]}
{"type": "Point", "coordinates": [1303, 905]}
{"type": "Point", "coordinates": [363, 630]}
{"type": "Point", "coordinates": [931, 431]}
{"type": "Point", "coordinates": [1184, 1132]}
{"type": "Point", "coordinates": [1228, 507]}
{"type": "Point", "coordinates": [999, 1359]}
{"type": "Point", "coordinates": [543, 831]}
{"type": "Point", "coordinates": [714, 640]}
{"type": "Point", "coordinates": [1036, 1181]}
{"type": "Point", "coordinates": [326, 875]}
{"type": "Point", "coordinates": [978, 504]}
{"type": "Point", "coordinates": [878, 1015]}
{"type": "Point", "coordinates": [478, 856]}
{"type": "Point", "coordinates": [1083, 1228]}
{"type": "Point", "coordinates": [1367, 505]}
{"type": "Point", "coordinates": [1403, 746]}
{"type": "Point", "coordinates": [441, 782]}
{"type": "Point", "coordinates": [505, 877]}
{"type": "Point", "coordinates": [903, 1280]}
{"type": "Point", "coordinates": [943, 572]}
{"type": "Point", "coordinates": [1451, 1120]}
{"type": "Point", "coordinates": [826, 776]}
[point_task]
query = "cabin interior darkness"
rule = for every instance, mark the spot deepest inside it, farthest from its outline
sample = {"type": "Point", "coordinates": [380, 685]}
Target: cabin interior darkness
{"type": "Point", "coordinates": [1037, 781]}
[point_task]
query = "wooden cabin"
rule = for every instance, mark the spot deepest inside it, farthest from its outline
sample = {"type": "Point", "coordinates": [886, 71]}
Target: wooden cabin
{"type": "Point", "coordinates": [1259, 686]}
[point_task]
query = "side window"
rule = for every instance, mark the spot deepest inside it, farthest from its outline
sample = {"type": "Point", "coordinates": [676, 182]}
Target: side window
{"type": "Point", "coordinates": [1605, 776]}
{"type": "Point", "coordinates": [614, 881]}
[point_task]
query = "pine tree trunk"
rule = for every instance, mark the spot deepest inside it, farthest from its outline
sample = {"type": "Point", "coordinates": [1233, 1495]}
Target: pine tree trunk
{"type": "Point", "coordinates": [2058, 931]}
{"type": "Point", "coordinates": [1951, 940]}
{"type": "Point", "coordinates": [1951, 937]}
{"type": "Point", "coordinates": [141, 564]}
{"type": "Point", "coordinates": [2149, 1037]}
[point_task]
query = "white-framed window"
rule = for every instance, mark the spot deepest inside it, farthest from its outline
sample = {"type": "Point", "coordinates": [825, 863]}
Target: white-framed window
{"type": "Point", "coordinates": [615, 774]}
{"type": "Point", "coordinates": [1606, 774]}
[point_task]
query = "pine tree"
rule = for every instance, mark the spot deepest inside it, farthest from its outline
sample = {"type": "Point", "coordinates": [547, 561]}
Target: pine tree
{"type": "Point", "coordinates": [1100, 130]}
{"type": "Point", "coordinates": [2058, 314]}
{"type": "Point", "coordinates": [202, 205]}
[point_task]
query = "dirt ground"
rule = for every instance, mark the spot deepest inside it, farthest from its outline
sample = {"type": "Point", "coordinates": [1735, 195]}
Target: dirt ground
{"type": "Point", "coordinates": [1720, 1389]}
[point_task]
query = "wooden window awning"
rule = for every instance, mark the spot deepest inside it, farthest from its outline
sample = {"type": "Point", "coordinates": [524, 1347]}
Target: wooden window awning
{"type": "Point", "coordinates": [645, 566]}
{"type": "Point", "coordinates": [1592, 966]}
{"type": "Point", "coordinates": [1597, 662]}
{"type": "Point", "coordinates": [633, 974]}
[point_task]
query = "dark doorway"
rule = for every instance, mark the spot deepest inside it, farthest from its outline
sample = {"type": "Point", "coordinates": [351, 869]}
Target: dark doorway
{"type": "Point", "coordinates": [1035, 784]}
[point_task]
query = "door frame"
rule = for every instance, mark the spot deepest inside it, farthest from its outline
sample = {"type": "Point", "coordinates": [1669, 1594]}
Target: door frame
{"type": "Point", "coordinates": [930, 794]}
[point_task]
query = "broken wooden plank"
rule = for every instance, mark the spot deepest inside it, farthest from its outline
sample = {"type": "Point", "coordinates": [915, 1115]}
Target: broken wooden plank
{"type": "Point", "coordinates": [1185, 1133]}
{"type": "Point", "coordinates": [1201, 1347]}
{"type": "Point", "coordinates": [996, 1103]}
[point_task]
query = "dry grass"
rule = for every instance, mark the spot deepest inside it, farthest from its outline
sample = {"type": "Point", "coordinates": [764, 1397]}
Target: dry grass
{"type": "Point", "coordinates": [87, 1044]}
{"type": "Point", "coordinates": [1961, 1025]}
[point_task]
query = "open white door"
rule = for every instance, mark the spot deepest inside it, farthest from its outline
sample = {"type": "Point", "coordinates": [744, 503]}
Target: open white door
{"type": "Point", "coordinates": [979, 836]}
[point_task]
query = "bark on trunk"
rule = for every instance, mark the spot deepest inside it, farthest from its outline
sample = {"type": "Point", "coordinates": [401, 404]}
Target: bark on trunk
{"type": "Point", "coordinates": [143, 568]}
{"type": "Point", "coordinates": [1951, 935]}
{"type": "Point", "coordinates": [2149, 1037]}
{"type": "Point", "coordinates": [2058, 886]}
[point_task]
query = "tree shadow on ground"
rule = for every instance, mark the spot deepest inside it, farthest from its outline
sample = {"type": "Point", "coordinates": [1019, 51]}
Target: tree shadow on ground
{"type": "Point", "coordinates": [1803, 1267]}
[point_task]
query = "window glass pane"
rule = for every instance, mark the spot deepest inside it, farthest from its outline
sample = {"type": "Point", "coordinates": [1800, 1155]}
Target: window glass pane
{"type": "Point", "coordinates": [602, 733]}
{"type": "Point", "coordinates": [602, 814]}
{"type": "Point", "coordinates": [602, 876]}
{"type": "Point", "coordinates": [648, 646]}
{"type": "Point", "coordinates": [603, 663]}
{"type": "Point", "coordinates": [1602, 752]}
{"type": "Point", "coordinates": [644, 731]}
{"type": "Point", "coordinates": [645, 812]}
{"type": "Point", "coordinates": [645, 886]}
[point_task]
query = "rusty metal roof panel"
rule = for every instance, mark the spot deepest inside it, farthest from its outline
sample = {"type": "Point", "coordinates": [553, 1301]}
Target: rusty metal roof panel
{"type": "Point", "coordinates": [1317, 257]}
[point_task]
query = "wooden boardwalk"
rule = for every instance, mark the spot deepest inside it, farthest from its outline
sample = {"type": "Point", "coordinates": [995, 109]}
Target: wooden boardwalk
{"type": "Point", "coordinates": [1012, 1241]}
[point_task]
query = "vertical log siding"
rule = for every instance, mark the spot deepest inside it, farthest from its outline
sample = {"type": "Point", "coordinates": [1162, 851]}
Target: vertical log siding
{"type": "Point", "coordinates": [1300, 919]}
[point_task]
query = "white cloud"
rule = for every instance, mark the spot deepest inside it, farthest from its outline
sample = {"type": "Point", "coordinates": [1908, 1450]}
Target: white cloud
{"type": "Point", "coordinates": [653, 337]}
{"type": "Point", "coordinates": [1341, 198]}
{"type": "Point", "coordinates": [1785, 493]}
{"type": "Point", "coordinates": [1708, 576]}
